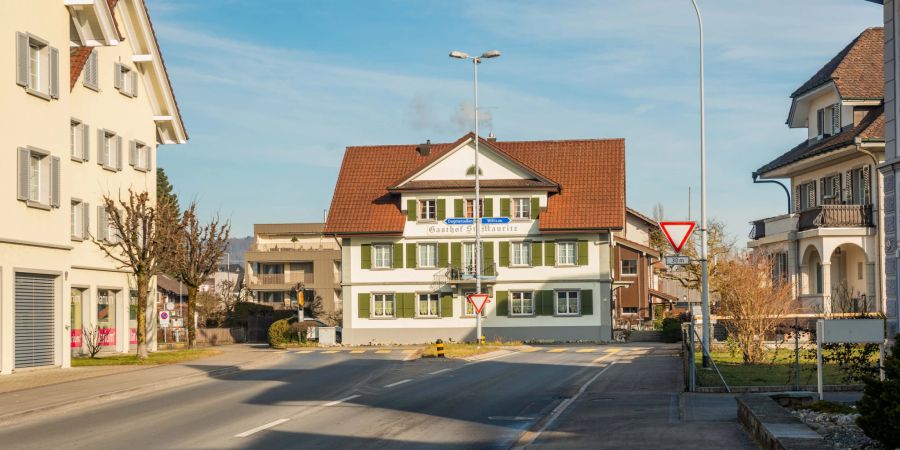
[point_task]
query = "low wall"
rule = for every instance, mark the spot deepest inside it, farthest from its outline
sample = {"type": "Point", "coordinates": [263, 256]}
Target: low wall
{"type": "Point", "coordinates": [218, 336]}
{"type": "Point", "coordinates": [772, 427]}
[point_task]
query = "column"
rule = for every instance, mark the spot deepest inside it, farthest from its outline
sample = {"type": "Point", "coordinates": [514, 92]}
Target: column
{"type": "Point", "coordinates": [826, 288]}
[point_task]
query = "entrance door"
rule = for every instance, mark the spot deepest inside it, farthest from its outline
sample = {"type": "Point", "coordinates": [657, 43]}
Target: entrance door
{"type": "Point", "coordinates": [77, 320]}
{"type": "Point", "coordinates": [34, 320]}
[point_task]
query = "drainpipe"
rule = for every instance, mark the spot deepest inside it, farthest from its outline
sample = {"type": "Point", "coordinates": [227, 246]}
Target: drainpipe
{"type": "Point", "coordinates": [786, 190]}
{"type": "Point", "coordinates": [797, 265]}
{"type": "Point", "coordinates": [879, 181]}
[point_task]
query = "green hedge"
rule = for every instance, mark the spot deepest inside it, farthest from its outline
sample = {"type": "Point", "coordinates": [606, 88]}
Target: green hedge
{"type": "Point", "coordinates": [671, 330]}
{"type": "Point", "coordinates": [287, 331]}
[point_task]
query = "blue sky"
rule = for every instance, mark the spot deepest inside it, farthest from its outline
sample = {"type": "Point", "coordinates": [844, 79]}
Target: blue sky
{"type": "Point", "coordinates": [271, 92]}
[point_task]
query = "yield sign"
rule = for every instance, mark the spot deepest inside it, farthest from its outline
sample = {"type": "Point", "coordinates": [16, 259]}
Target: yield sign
{"type": "Point", "coordinates": [677, 233]}
{"type": "Point", "coordinates": [478, 301]}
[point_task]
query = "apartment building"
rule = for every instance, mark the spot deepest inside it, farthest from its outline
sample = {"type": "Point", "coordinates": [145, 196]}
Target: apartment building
{"type": "Point", "coordinates": [64, 149]}
{"type": "Point", "coordinates": [404, 217]}
{"type": "Point", "coordinates": [832, 239]}
{"type": "Point", "coordinates": [287, 258]}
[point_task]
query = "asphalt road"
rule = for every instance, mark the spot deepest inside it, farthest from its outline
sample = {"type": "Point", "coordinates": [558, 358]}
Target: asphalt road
{"type": "Point", "coordinates": [343, 400]}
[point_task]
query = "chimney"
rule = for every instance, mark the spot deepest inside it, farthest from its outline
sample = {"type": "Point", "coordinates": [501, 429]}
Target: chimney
{"type": "Point", "coordinates": [424, 149]}
{"type": "Point", "coordinates": [491, 137]}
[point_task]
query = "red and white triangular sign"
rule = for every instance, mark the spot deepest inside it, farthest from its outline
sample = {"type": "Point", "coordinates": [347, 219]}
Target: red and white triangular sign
{"type": "Point", "coordinates": [677, 233]}
{"type": "Point", "coordinates": [478, 301]}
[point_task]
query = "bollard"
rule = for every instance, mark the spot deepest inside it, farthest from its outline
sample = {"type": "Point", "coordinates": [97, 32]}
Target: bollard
{"type": "Point", "coordinates": [482, 339]}
{"type": "Point", "coordinates": [440, 348]}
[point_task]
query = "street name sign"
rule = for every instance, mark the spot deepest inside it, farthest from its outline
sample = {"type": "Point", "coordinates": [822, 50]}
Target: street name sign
{"type": "Point", "coordinates": [678, 260]}
{"type": "Point", "coordinates": [478, 301]}
{"type": "Point", "coordinates": [677, 233]}
{"type": "Point", "coordinates": [470, 221]}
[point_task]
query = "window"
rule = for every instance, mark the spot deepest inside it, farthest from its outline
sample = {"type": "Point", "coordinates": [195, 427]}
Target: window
{"type": "Point", "coordinates": [139, 155]}
{"type": "Point", "coordinates": [428, 255]}
{"type": "Point", "coordinates": [629, 310]}
{"type": "Point", "coordinates": [831, 190]}
{"type": "Point", "coordinates": [34, 65]}
{"type": "Point", "coordinates": [567, 303]}
{"type": "Point", "coordinates": [37, 66]}
{"type": "Point", "coordinates": [109, 149]}
{"type": "Point", "coordinates": [428, 305]}
{"type": "Point", "coordinates": [468, 257]}
{"type": "Point", "coordinates": [521, 208]}
{"type": "Point", "coordinates": [470, 204]}
{"type": "Point", "coordinates": [90, 71]}
{"type": "Point", "coordinates": [780, 267]}
{"type": "Point", "coordinates": [427, 210]}
{"type": "Point", "coordinates": [629, 267]}
{"type": "Point", "coordinates": [520, 253]}
{"type": "Point", "coordinates": [521, 304]}
{"type": "Point", "coordinates": [38, 177]}
{"type": "Point", "coordinates": [272, 297]}
{"type": "Point", "coordinates": [383, 256]}
{"type": "Point", "coordinates": [808, 195]}
{"type": "Point", "coordinates": [858, 186]}
{"type": "Point", "coordinates": [125, 80]}
{"type": "Point", "coordinates": [383, 305]}
{"type": "Point", "coordinates": [565, 253]}
{"type": "Point", "coordinates": [271, 269]}
{"type": "Point", "coordinates": [106, 316]}
{"type": "Point", "coordinates": [78, 141]}
{"type": "Point", "coordinates": [79, 220]}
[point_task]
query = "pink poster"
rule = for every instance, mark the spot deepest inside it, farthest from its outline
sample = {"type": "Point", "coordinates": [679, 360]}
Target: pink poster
{"type": "Point", "coordinates": [76, 338]}
{"type": "Point", "coordinates": [133, 339]}
{"type": "Point", "coordinates": [107, 337]}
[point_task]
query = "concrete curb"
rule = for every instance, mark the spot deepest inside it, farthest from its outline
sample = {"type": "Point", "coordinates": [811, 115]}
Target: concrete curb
{"type": "Point", "coordinates": [772, 427]}
{"type": "Point", "coordinates": [412, 356]}
{"type": "Point", "coordinates": [10, 418]}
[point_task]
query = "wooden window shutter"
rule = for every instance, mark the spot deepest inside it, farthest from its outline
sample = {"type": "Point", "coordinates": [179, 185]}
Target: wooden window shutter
{"type": "Point", "coordinates": [797, 198]}
{"type": "Point", "coordinates": [24, 173]}
{"type": "Point", "coordinates": [411, 210]}
{"type": "Point", "coordinates": [117, 76]}
{"type": "Point", "coordinates": [86, 220]}
{"type": "Point", "coordinates": [148, 163]}
{"type": "Point", "coordinates": [546, 303]}
{"type": "Point", "coordinates": [134, 81]}
{"type": "Point", "coordinates": [446, 304]}
{"type": "Point", "coordinates": [582, 253]}
{"type": "Point", "coordinates": [363, 307]}
{"type": "Point", "coordinates": [410, 255]}
{"type": "Point", "coordinates": [132, 153]}
{"type": "Point", "coordinates": [397, 256]}
{"type": "Point", "coordinates": [488, 252]}
{"type": "Point", "coordinates": [119, 153]}
{"type": "Point", "coordinates": [443, 257]}
{"type": "Point", "coordinates": [54, 181]}
{"type": "Point", "coordinates": [502, 303]}
{"type": "Point", "coordinates": [407, 304]}
{"type": "Point", "coordinates": [441, 209]}
{"type": "Point", "coordinates": [848, 188]}
{"type": "Point", "coordinates": [535, 208]}
{"type": "Point", "coordinates": [504, 253]}
{"type": "Point", "coordinates": [458, 204]}
{"type": "Point", "coordinates": [102, 156]}
{"type": "Point", "coordinates": [504, 207]}
{"type": "Point", "coordinates": [836, 118]}
{"type": "Point", "coordinates": [550, 250]}
{"type": "Point", "coordinates": [537, 255]}
{"type": "Point", "coordinates": [102, 223]}
{"type": "Point", "coordinates": [456, 254]}
{"type": "Point", "coordinates": [85, 142]}
{"type": "Point", "coordinates": [54, 72]}
{"type": "Point", "coordinates": [366, 255]}
{"type": "Point", "coordinates": [812, 199]}
{"type": "Point", "coordinates": [21, 59]}
{"type": "Point", "coordinates": [90, 71]}
{"type": "Point", "coordinates": [488, 208]}
{"type": "Point", "coordinates": [867, 184]}
{"type": "Point", "coordinates": [587, 302]}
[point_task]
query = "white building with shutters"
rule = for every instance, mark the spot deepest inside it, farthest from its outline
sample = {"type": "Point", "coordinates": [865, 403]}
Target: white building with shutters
{"type": "Point", "coordinates": [403, 216]}
{"type": "Point", "coordinates": [64, 148]}
{"type": "Point", "coordinates": [830, 242]}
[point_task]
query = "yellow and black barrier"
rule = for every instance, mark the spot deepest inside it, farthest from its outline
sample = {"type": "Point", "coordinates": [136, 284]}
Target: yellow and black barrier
{"type": "Point", "coordinates": [439, 345]}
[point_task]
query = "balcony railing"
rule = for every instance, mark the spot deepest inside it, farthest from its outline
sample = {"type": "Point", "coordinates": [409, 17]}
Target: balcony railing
{"type": "Point", "coordinates": [294, 246]}
{"type": "Point", "coordinates": [834, 216]}
{"type": "Point", "coordinates": [281, 278]}
{"type": "Point", "coordinates": [784, 223]}
{"type": "Point", "coordinates": [757, 229]}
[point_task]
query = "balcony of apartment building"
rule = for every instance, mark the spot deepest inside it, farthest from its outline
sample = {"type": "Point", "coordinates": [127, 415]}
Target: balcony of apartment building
{"type": "Point", "coordinates": [280, 276]}
{"type": "Point", "coordinates": [820, 220]}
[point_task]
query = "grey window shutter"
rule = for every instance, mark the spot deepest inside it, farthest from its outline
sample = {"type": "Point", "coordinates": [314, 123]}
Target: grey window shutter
{"type": "Point", "coordinates": [85, 142]}
{"type": "Point", "coordinates": [85, 220]}
{"type": "Point", "coordinates": [836, 118]}
{"type": "Point", "coordinates": [90, 74]}
{"type": "Point", "coordinates": [101, 155]}
{"type": "Point", "coordinates": [132, 153]}
{"type": "Point", "coordinates": [24, 163]}
{"type": "Point", "coordinates": [797, 198]}
{"type": "Point", "coordinates": [54, 181]}
{"type": "Point", "coordinates": [117, 76]}
{"type": "Point", "coordinates": [54, 72]}
{"type": "Point", "coordinates": [149, 158]}
{"type": "Point", "coordinates": [118, 152]}
{"type": "Point", "coordinates": [102, 223]}
{"type": "Point", "coordinates": [134, 89]}
{"type": "Point", "coordinates": [21, 59]}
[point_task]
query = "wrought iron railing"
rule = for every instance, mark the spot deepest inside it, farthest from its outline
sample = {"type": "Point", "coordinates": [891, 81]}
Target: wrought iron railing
{"type": "Point", "coordinates": [466, 272]}
{"type": "Point", "coordinates": [831, 216]}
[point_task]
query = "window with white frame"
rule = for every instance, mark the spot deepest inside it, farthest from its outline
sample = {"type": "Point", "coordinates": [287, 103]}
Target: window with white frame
{"type": "Point", "coordinates": [521, 208]}
{"type": "Point", "coordinates": [125, 80]}
{"type": "Point", "coordinates": [109, 150]}
{"type": "Point", "coordinates": [468, 257]}
{"type": "Point", "coordinates": [38, 178]}
{"type": "Point", "coordinates": [565, 253]}
{"type": "Point", "coordinates": [567, 303]}
{"type": "Point", "coordinates": [382, 255]}
{"type": "Point", "coordinates": [520, 253]}
{"type": "Point", "coordinates": [428, 305]}
{"type": "Point", "coordinates": [808, 197]}
{"type": "Point", "coordinates": [428, 255]}
{"type": "Point", "coordinates": [831, 190]}
{"type": "Point", "coordinates": [79, 220]}
{"type": "Point", "coordinates": [75, 140]}
{"type": "Point", "coordinates": [427, 210]}
{"type": "Point", "coordinates": [629, 267]}
{"type": "Point", "coordinates": [139, 153]}
{"type": "Point", "coordinates": [383, 305]}
{"type": "Point", "coordinates": [521, 303]}
{"type": "Point", "coordinates": [470, 204]}
{"type": "Point", "coordinates": [37, 66]}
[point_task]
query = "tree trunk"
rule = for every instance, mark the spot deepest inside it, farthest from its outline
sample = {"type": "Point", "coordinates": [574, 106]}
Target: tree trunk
{"type": "Point", "coordinates": [192, 306]}
{"type": "Point", "coordinates": [143, 286]}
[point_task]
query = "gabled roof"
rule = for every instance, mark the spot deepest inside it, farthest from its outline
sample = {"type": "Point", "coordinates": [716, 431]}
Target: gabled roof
{"type": "Point", "coordinates": [642, 217]}
{"type": "Point", "coordinates": [590, 174]}
{"type": "Point", "coordinates": [857, 71]}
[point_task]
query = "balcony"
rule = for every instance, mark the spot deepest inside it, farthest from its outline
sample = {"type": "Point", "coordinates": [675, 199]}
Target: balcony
{"type": "Point", "coordinates": [464, 275]}
{"type": "Point", "coordinates": [836, 216]}
{"type": "Point", "coordinates": [771, 226]}
{"type": "Point", "coordinates": [281, 278]}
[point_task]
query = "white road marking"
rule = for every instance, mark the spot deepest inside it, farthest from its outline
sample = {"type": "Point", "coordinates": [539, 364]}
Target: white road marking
{"type": "Point", "coordinates": [337, 402]}
{"type": "Point", "coordinates": [398, 383]}
{"type": "Point", "coordinates": [381, 352]}
{"type": "Point", "coordinates": [304, 352]}
{"type": "Point", "coordinates": [274, 423]}
{"type": "Point", "coordinates": [438, 371]}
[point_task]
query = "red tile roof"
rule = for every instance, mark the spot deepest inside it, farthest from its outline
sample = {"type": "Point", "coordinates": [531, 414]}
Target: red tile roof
{"type": "Point", "coordinates": [432, 185]}
{"type": "Point", "coordinates": [78, 57]}
{"type": "Point", "coordinates": [857, 70]}
{"type": "Point", "coordinates": [590, 173]}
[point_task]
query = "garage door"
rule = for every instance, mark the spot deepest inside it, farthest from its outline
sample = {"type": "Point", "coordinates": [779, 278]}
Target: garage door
{"type": "Point", "coordinates": [34, 320]}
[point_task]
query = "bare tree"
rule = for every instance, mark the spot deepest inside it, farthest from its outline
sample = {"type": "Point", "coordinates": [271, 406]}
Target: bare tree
{"type": "Point", "coordinates": [230, 296]}
{"type": "Point", "coordinates": [720, 247]}
{"type": "Point", "coordinates": [753, 300]}
{"type": "Point", "coordinates": [141, 240]}
{"type": "Point", "coordinates": [92, 341]}
{"type": "Point", "coordinates": [199, 250]}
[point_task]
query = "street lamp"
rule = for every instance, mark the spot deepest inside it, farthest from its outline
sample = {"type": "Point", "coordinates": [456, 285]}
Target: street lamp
{"type": "Point", "coordinates": [476, 60]}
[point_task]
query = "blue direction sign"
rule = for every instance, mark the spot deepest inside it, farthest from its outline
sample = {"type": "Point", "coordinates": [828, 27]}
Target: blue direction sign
{"type": "Point", "coordinates": [494, 220]}
{"type": "Point", "coordinates": [469, 221]}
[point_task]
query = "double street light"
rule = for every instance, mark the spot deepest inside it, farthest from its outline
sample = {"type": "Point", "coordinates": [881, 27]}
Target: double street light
{"type": "Point", "coordinates": [476, 216]}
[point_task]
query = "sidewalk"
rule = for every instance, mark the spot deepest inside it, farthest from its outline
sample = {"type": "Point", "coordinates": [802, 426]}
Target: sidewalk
{"type": "Point", "coordinates": [36, 391]}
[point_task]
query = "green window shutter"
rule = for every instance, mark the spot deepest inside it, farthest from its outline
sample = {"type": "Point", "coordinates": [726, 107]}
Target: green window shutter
{"type": "Point", "coordinates": [410, 256]}
{"type": "Point", "coordinates": [587, 302]}
{"type": "Point", "coordinates": [366, 255]}
{"type": "Point", "coordinates": [442, 255]}
{"type": "Point", "coordinates": [550, 250]}
{"type": "Point", "coordinates": [502, 303]}
{"type": "Point", "coordinates": [535, 207]}
{"type": "Point", "coordinates": [546, 302]}
{"type": "Point", "coordinates": [537, 256]}
{"type": "Point", "coordinates": [488, 249]}
{"type": "Point", "coordinates": [447, 304]}
{"type": "Point", "coordinates": [458, 207]}
{"type": "Point", "coordinates": [456, 254]}
{"type": "Point", "coordinates": [409, 305]}
{"type": "Point", "coordinates": [397, 255]}
{"type": "Point", "coordinates": [504, 254]}
{"type": "Point", "coordinates": [363, 306]}
{"type": "Point", "coordinates": [488, 207]}
{"type": "Point", "coordinates": [582, 253]}
{"type": "Point", "coordinates": [411, 210]}
{"type": "Point", "coordinates": [504, 207]}
{"type": "Point", "coordinates": [441, 209]}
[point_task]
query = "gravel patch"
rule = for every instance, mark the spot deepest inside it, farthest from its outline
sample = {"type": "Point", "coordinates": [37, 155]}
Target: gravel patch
{"type": "Point", "coordinates": [839, 430]}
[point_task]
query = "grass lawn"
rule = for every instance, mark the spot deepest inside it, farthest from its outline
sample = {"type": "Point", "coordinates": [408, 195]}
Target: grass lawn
{"type": "Point", "coordinates": [464, 350]}
{"type": "Point", "coordinates": [166, 357]}
{"type": "Point", "coordinates": [777, 371]}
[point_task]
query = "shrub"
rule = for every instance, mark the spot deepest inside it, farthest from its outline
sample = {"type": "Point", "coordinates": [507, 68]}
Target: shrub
{"type": "Point", "coordinates": [280, 333]}
{"type": "Point", "coordinates": [671, 330]}
{"type": "Point", "coordinates": [879, 407]}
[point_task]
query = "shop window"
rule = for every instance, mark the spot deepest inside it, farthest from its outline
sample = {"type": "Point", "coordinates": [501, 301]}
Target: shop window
{"type": "Point", "coordinates": [106, 316]}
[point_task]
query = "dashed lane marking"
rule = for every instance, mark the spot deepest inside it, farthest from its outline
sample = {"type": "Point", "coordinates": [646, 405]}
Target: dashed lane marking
{"type": "Point", "coordinates": [337, 402]}
{"type": "Point", "coordinates": [438, 371]}
{"type": "Point", "coordinates": [355, 352]}
{"type": "Point", "coordinates": [271, 424]}
{"type": "Point", "coordinates": [398, 383]}
{"type": "Point", "coordinates": [557, 350]}
{"type": "Point", "coordinates": [329, 352]}
{"type": "Point", "coordinates": [586, 350]}
{"type": "Point", "coordinates": [304, 352]}
{"type": "Point", "coordinates": [382, 352]}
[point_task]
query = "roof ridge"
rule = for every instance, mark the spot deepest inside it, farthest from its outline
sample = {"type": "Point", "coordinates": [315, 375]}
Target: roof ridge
{"type": "Point", "coordinates": [827, 72]}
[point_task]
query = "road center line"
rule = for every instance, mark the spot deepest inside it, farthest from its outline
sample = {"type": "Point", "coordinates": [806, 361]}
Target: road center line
{"type": "Point", "coordinates": [337, 402]}
{"type": "Point", "coordinates": [438, 371]}
{"type": "Point", "coordinates": [271, 424]}
{"type": "Point", "coordinates": [398, 383]}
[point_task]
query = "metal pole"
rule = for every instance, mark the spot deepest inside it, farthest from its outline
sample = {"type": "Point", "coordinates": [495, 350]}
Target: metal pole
{"type": "Point", "coordinates": [704, 252]}
{"type": "Point", "coordinates": [797, 353]}
{"type": "Point", "coordinates": [476, 211]}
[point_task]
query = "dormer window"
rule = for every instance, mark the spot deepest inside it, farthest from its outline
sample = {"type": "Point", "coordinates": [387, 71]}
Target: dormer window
{"type": "Point", "coordinates": [828, 121]}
